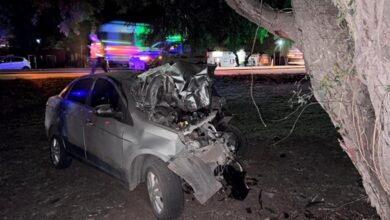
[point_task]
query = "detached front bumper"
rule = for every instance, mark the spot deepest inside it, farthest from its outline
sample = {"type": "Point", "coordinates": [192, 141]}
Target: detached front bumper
{"type": "Point", "coordinates": [196, 173]}
{"type": "Point", "coordinates": [197, 169]}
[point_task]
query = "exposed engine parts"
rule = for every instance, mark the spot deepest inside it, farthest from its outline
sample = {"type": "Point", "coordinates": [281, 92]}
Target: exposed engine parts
{"type": "Point", "coordinates": [179, 96]}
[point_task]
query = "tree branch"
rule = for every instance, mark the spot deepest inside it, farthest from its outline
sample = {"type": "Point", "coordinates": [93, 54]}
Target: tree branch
{"type": "Point", "coordinates": [278, 23]}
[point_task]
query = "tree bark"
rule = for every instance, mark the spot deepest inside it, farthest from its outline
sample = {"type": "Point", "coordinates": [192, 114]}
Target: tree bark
{"type": "Point", "coordinates": [277, 23]}
{"type": "Point", "coordinates": [347, 56]}
{"type": "Point", "coordinates": [236, 58]}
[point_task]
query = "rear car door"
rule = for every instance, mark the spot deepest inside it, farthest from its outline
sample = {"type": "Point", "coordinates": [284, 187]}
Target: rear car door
{"type": "Point", "coordinates": [104, 135]}
{"type": "Point", "coordinates": [73, 111]}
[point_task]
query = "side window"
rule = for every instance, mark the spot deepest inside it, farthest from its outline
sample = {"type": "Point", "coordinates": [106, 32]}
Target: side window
{"type": "Point", "coordinates": [17, 59]}
{"type": "Point", "coordinates": [104, 92]}
{"type": "Point", "coordinates": [80, 90]}
{"type": "Point", "coordinates": [7, 60]}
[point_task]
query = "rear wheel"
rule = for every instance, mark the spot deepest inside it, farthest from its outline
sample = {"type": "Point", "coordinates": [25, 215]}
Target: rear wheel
{"type": "Point", "coordinates": [59, 157]}
{"type": "Point", "coordinates": [26, 68]}
{"type": "Point", "coordinates": [165, 191]}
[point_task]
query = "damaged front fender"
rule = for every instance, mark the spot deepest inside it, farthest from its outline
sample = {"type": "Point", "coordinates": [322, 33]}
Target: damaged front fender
{"type": "Point", "coordinates": [198, 174]}
{"type": "Point", "coordinates": [199, 170]}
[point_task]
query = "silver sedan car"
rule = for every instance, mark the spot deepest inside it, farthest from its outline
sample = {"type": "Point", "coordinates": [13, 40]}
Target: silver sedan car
{"type": "Point", "coordinates": [101, 120]}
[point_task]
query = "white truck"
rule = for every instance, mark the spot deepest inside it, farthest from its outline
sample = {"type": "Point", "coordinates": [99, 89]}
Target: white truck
{"type": "Point", "coordinates": [225, 58]}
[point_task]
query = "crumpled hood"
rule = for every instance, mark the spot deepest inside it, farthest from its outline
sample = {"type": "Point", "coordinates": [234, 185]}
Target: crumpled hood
{"type": "Point", "coordinates": [181, 85]}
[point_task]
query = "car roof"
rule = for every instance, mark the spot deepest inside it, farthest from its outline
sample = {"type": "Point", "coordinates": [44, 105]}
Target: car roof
{"type": "Point", "coordinates": [11, 56]}
{"type": "Point", "coordinates": [125, 78]}
{"type": "Point", "coordinates": [123, 75]}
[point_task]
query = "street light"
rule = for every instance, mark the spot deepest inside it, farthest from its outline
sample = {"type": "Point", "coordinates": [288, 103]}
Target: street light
{"type": "Point", "coordinates": [279, 44]}
{"type": "Point", "coordinates": [38, 40]}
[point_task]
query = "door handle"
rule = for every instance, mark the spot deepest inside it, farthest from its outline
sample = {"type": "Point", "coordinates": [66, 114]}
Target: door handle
{"type": "Point", "coordinates": [88, 122]}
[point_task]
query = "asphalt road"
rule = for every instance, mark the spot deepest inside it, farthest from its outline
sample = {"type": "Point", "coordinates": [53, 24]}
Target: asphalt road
{"type": "Point", "coordinates": [76, 72]}
{"type": "Point", "coordinates": [47, 73]}
{"type": "Point", "coordinates": [260, 70]}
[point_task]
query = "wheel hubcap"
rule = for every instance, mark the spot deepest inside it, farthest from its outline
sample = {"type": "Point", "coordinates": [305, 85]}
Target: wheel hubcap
{"type": "Point", "coordinates": [55, 151]}
{"type": "Point", "coordinates": [155, 193]}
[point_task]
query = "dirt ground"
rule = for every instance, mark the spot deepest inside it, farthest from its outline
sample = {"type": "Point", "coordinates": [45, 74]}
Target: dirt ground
{"type": "Point", "coordinates": [306, 176]}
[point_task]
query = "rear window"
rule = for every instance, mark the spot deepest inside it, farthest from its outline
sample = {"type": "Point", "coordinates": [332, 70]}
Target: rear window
{"type": "Point", "coordinates": [80, 90]}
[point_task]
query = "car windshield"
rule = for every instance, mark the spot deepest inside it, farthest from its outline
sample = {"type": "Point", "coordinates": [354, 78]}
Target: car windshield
{"type": "Point", "coordinates": [158, 45]}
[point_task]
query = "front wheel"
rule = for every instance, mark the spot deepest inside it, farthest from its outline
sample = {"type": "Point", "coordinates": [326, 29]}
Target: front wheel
{"type": "Point", "coordinates": [239, 139]}
{"type": "Point", "coordinates": [165, 191]}
{"type": "Point", "coordinates": [59, 157]}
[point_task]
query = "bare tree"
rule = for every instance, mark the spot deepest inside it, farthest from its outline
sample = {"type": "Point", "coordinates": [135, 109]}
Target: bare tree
{"type": "Point", "coordinates": [347, 55]}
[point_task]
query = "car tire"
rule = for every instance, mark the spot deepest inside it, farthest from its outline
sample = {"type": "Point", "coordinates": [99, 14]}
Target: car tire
{"type": "Point", "coordinates": [58, 156]}
{"type": "Point", "coordinates": [26, 68]}
{"type": "Point", "coordinates": [242, 142]}
{"type": "Point", "coordinates": [164, 189]}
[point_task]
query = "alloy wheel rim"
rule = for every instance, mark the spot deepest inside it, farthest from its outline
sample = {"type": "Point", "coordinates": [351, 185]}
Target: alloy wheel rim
{"type": "Point", "coordinates": [155, 193]}
{"type": "Point", "coordinates": [55, 151]}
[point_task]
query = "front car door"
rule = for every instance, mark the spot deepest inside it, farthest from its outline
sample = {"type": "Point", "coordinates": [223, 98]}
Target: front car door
{"type": "Point", "coordinates": [104, 135]}
{"type": "Point", "coordinates": [6, 63]}
{"type": "Point", "coordinates": [73, 113]}
{"type": "Point", "coordinates": [17, 62]}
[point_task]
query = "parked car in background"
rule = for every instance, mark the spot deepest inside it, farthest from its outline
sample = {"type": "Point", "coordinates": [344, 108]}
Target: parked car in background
{"type": "Point", "coordinates": [146, 59]}
{"type": "Point", "coordinates": [14, 62]}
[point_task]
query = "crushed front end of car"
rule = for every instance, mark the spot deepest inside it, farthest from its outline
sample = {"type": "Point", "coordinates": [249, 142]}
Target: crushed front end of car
{"type": "Point", "coordinates": [180, 96]}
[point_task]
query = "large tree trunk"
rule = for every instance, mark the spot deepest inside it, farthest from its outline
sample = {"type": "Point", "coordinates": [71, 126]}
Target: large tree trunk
{"type": "Point", "coordinates": [347, 56]}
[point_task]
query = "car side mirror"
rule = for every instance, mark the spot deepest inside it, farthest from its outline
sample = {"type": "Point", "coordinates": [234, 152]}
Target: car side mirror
{"type": "Point", "coordinates": [106, 110]}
